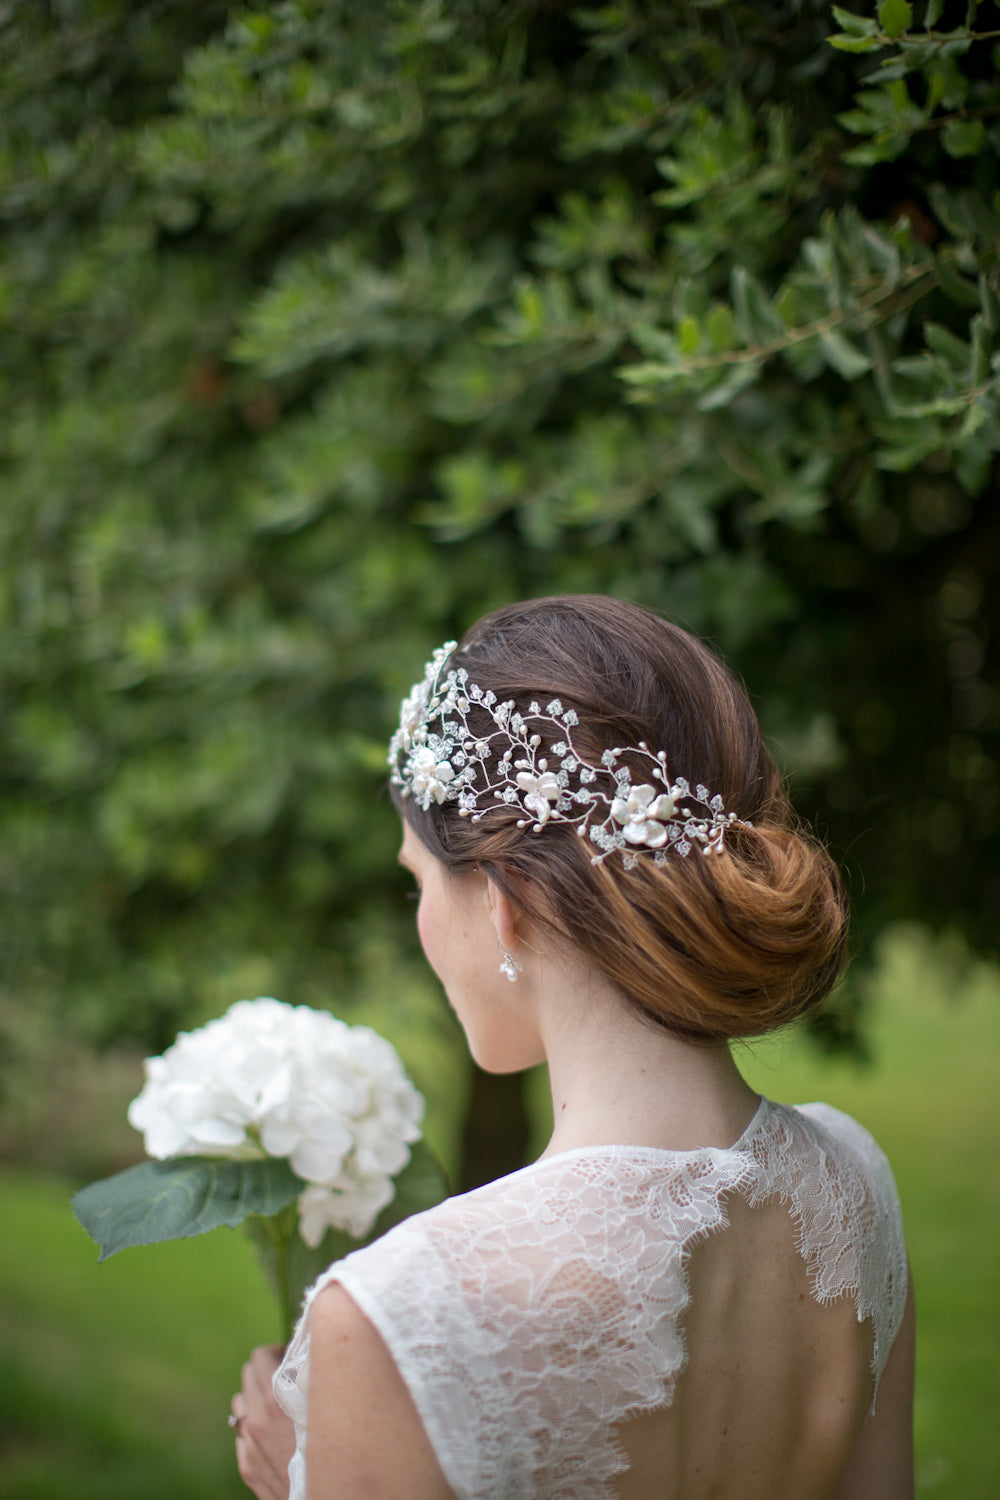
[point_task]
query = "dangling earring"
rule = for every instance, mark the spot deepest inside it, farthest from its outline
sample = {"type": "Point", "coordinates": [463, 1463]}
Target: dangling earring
{"type": "Point", "coordinates": [509, 965]}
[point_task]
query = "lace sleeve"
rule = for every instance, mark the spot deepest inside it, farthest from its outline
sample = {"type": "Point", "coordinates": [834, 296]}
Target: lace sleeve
{"type": "Point", "coordinates": [408, 1293]}
{"type": "Point", "coordinates": [854, 1238]}
{"type": "Point", "coordinates": [526, 1320]}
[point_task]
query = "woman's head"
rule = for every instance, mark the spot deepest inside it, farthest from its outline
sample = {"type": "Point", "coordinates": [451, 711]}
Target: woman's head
{"type": "Point", "coordinates": [740, 934]}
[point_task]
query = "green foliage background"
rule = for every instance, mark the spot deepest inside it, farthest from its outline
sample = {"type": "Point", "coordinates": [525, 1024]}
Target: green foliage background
{"type": "Point", "coordinates": [325, 327]}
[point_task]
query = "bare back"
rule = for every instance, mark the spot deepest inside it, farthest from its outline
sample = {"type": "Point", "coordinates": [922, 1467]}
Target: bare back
{"type": "Point", "coordinates": [776, 1388]}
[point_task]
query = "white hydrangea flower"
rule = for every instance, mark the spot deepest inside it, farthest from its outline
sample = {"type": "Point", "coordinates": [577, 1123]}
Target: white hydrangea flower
{"type": "Point", "coordinates": [353, 1207]}
{"type": "Point", "coordinates": [269, 1079]}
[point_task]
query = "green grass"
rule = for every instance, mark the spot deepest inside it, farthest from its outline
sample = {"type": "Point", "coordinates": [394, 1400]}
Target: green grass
{"type": "Point", "coordinates": [115, 1379]}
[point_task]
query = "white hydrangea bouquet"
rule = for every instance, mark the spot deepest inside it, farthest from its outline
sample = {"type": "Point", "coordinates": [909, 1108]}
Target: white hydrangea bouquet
{"type": "Point", "coordinates": [281, 1118]}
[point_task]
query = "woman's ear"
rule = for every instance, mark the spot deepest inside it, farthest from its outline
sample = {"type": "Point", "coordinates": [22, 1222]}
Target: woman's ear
{"type": "Point", "coordinates": [503, 914]}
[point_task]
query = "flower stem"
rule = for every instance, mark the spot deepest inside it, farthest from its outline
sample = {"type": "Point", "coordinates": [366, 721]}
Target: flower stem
{"type": "Point", "coordinates": [273, 1237]}
{"type": "Point", "coordinates": [283, 1227]}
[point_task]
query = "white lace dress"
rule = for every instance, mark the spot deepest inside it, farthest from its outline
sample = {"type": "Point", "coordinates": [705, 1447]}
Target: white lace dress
{"type": "Point", "coordinates": [530, 1317]}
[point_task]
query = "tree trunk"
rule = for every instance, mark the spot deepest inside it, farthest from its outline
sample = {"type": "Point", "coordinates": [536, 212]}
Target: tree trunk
{"type": "Point", "coordinates": [495, 1138]}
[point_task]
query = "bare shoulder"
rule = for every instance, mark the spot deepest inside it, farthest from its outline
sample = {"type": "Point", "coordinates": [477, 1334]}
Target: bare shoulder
{"type": "Point", "coordinates": [364, 1437]}
{"type": "Point", "coordinates": [881, 1465]}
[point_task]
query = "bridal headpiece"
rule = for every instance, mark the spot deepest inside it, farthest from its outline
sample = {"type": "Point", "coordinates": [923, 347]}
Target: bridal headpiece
{"type": "Point", "coordinates": [482, 768]}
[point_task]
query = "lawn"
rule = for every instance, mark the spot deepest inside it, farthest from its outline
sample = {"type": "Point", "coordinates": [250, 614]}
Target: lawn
{"type": "Point", "coordinates": [115, 1379]}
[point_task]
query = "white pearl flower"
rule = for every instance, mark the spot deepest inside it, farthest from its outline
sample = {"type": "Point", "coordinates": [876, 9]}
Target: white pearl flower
{"type": "Point", "coordinates": [411, 714]}
{"type": "Point", "coordinates": [643, 815]}
{"type": "Point", "coordinates": [540, 793]}
{"type": "Point", "coordinates": [429, 775]}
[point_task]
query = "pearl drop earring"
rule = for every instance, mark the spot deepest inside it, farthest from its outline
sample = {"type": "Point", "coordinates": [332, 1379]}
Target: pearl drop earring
{"type": "Point", "coordinates": [509, 965]}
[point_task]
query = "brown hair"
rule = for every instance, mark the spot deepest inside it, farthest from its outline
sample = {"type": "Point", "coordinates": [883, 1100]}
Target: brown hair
{"type": "Point", "coordinates": [712, 946]}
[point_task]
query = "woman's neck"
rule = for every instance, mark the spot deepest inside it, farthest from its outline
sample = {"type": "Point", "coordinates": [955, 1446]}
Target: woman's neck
{"type": "Point", "coordinates": [618, 1078]}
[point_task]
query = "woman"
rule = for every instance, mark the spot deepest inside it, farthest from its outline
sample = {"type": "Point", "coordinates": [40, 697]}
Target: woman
{"type": "Point", "coordinates": [693, 1293]}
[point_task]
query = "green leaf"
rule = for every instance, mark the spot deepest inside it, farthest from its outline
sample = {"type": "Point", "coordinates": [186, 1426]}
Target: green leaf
{"type": "Point", "coordinates": [721, 328]}
{"type": "Point", "coordinates": [651, 373]}
{"type": "Point", "coordinates": [982, 351]}
{"type": "Point", "coordinates": [858, 121]}
{"type": "Point", "coordinates": [689, 335]}
{"type": "Point", "coordinates": [756, 318]}
{"type": "Point", "coordinates": [787, 305]}
{"type": "Point", "coordinates": [895, 16]}
{"type": "Point", "coordinates": [932, 15]}
{"type": "Point", "coordinates": [856, 25]}
{"type": "Point", "coordinates": [883, 254]}
{"type": "Point", "coordinates": [963, 137]}
{"type": "Point", "coordinates": [656, 342]}
{"type": "Point", "coordinates": [855, 43]}
{"type": "Point", "coordinates": [878, 346]}
{"type": "Point", "coordinates": [847, 360]}
{"type": "Point", "coordinates": [976, 417]}
{"type": "Point", "coordinates": [869, 155]}
{"type": "Point", "coordinates": [728, 389]}
{"type": "Point", "coordinates": [955, 353]}
{"type": "Point", "coordinates": [954, 286]}
{"type": "Point", "coordinates": [181, 1197]}
{"type": "Point", "coordinates": [990, 302]}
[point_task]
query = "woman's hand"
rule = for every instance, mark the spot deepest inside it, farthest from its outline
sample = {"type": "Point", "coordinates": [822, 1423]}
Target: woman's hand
{"type": "Point", "coordinates": [265, 1436]}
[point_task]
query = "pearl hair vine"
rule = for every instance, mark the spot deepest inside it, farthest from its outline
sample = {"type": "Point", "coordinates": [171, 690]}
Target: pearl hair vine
{"type": "Point", "coordinates": [510, 766]}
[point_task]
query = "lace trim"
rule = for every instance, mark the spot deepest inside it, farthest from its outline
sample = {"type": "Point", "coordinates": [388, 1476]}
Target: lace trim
{"type": "Point", "coordinates": [530, 1318]}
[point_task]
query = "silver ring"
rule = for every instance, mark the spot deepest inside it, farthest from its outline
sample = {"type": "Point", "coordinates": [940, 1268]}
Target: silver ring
{"type": "Point", "coordinates": [234, 1422]}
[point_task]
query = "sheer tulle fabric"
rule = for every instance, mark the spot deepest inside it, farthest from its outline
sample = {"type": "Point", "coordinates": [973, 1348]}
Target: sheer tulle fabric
{"type": "Point", "coordinates": [531, 1317]}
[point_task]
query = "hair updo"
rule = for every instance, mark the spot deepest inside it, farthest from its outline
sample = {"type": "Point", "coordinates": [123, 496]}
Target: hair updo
{"type": "Point", "coordinates": [722, 945]}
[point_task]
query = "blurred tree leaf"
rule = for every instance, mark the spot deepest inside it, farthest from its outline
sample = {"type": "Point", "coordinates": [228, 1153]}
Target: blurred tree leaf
{"type": "Point", "coordinates": [325, 328]}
